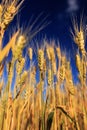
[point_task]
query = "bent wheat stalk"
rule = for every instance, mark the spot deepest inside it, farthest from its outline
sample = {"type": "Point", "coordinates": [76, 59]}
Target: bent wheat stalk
{"type": "Point", "coordinates": [4, 52]}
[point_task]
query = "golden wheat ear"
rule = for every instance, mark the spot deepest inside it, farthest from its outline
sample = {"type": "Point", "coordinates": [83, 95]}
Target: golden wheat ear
{"type": "Point", "coordinates": [8, 10]}
{"type": "Point", "coordinates": [11, 8]}
{"type": "Point", "coordinates": [78, 33]}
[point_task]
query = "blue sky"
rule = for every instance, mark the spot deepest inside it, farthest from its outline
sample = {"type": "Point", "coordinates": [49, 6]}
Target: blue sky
{"type": "Point", "coordinates": [59, 12]}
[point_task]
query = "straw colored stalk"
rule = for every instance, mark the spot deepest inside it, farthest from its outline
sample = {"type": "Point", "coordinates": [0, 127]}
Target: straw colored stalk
{"type": "Point", "coordinates": [4, 52]}
{"type": "Point", "coordinates": [54, 106]}
{"type": "Point", "coordinates": [48, 52]}
{"type": "Point", "coordinates": [20, 83]}
{"type": "Point", "coordinates": [20, 115]}
{"type": "Point", "coordinates": [15, 115]}
{"type": "Point", "coordinates": [40, 103]}
{"type": "Point", "coordinates": [37, 109]}
{"type": "Point", "coordinates": [1, 69]}
{"type": "Point", "coordinates": [40, 64]}
{"type": "Point", "coordinates": [9, 112]}
{"type": "Point", "coordinates": [58, 94]}
{"type": "Point", "coordinates": [2, 117]}
{"type": "Point", "coordinates": [84, 73]}
{"type": "Point", "coordinates": [3, 102]}
{"type": "Point", "coordinates": [1, 86]}
{"type": "Point", "coordinates": [25, 118]}
{"type": "Point", "coordinates": [10, 74]}
{"type": "Point", "coordinates": [71, 97]}
{"type": "Point", "coordinates": [1, 33]}
{"type": "Point", "coordinates": [28, 113]}
{"type": "Point", "coordinates": [1, 10]}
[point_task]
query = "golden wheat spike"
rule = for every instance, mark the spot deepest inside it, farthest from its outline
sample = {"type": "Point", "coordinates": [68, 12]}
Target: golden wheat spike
{"type": "Point", "coordinates": [23, 78]}
{"type": "Point", "coordinates": [58, 52]}
{"type": "Point", "coordinates": [80, 41]}
{"type": "Point", "coordinates": [21, 41]}
{"type": "Point", "coordinates": [9, 13]}
{"type": "Point", "coordinates": [40, 59]}
{"type": "Point", "coordinates": [33, 75]}
{"type": "Point", "coordinates": [30, 53]}
{"type": "Point", "coordinates": [20, 66]}
{"type": "Point", "coordinates": [48, 53]}
{"type": "Point", "coordinates": [79, 34]}
{"type": "Point", "coordinates": [50, 78]}
{"type": "Point", "coordinates": [61, 73]}
{"type": "Point", "coordinates": [78, 62]}
{"type": "Point", "coordinates": [18, 48]}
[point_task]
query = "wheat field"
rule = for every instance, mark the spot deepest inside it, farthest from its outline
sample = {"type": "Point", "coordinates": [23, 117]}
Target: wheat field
{"type": "Point", "coordinates": [49, 100]}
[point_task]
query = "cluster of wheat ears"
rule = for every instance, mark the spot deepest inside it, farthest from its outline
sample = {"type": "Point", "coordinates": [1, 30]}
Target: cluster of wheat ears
{"type": "Point", "coordinates": [53, 103]}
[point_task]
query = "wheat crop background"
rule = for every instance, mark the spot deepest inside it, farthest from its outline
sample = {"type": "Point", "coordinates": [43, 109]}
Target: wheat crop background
{"type": "Point", "coordinates": [55, 102]}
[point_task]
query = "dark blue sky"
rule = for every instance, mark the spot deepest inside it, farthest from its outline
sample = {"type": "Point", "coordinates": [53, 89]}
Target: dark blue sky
{"type": "Point", "coordinates": [58, 15]}
{"type": "Point", "coordinates": [59, 12]}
